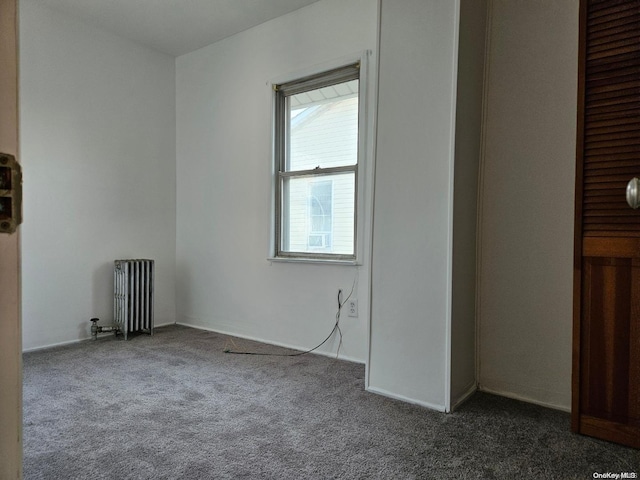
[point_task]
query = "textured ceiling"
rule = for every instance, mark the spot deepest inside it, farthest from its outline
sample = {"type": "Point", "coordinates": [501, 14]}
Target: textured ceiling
{"type": "Point", "coordinates": [176, 27]}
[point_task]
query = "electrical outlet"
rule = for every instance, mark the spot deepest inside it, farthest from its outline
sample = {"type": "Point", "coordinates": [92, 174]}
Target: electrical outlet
{"type": "Point", "coordinates": [352, 307]}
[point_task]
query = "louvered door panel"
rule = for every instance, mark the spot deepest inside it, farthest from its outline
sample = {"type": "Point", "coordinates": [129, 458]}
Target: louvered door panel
{"type": "Point", "coordinates": [606, 334]}
{"type": "Point", "coordinates": [612, 117]}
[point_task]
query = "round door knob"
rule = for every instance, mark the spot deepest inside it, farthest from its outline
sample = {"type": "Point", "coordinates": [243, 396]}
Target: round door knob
{"type": "Point", "coordinates": [633, 193]}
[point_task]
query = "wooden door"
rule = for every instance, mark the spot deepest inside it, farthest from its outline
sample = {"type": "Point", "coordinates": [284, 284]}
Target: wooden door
{"type": "Point", "coordinates": [10, 341]}
{"type": "Point", "coordinates": [606, 353]}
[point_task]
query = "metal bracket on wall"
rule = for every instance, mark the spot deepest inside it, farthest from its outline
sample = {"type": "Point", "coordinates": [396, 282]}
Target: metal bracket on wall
{"type": "Point", "coordinates": [10, 193]}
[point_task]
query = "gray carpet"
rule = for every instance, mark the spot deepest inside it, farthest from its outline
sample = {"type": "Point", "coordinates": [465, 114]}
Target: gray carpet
{"type": "Point", "coordinates": [174, 406]}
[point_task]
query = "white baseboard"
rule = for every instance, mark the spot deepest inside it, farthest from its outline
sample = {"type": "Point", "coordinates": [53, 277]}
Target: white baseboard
{"type": "Point", "coordinates": [523, 398]}
{"type": "Point", "coordinates": [78, 340]}
{"type": "Point", "coordinates": [270, 342]}
{"type": "Point", "coordinates": [164, 325]}
{"type": "Point", "coordinates": [53, 345]}
{"type": "Point", "coordinates": [464, 397]}
{"type": "Point", "coordinates": [384, 393]}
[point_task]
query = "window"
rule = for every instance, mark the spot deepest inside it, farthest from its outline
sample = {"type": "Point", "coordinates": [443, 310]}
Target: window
{"type": "Point", "coordinates": [320, 215]}
{"type": "Point", "coordinates": [316, 153]}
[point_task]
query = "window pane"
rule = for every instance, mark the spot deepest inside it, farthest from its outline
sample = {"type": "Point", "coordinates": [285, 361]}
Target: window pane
{"type": "Point", "coordinates": [319, 214]}
{"type": "Point", "coordinates": [323, 127]}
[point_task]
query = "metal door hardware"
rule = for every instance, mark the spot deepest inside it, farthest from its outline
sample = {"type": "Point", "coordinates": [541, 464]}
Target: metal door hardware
{"type": "Point", "coordinates": [10, 193]}
{"type": "Point", "coordinates": [633, 193]}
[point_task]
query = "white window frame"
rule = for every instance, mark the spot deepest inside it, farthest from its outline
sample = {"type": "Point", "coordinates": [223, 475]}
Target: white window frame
{"type": "Point", "coordinates": [309, 81]}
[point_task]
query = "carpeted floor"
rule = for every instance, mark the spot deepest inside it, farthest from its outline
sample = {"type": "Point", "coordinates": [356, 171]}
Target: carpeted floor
{"type": "Point", "coordinates": [175, 406]}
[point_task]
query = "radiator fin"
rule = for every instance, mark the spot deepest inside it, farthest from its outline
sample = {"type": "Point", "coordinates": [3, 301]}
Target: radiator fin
{"type": "Point", "coordinates": [133, 295]}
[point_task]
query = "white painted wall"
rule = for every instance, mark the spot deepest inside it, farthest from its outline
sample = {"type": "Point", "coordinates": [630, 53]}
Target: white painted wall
{"type": "Point", "coordinates": [411, 270]}
{"type": "Point", "coordinates": [471, 53]}
{"type": "Point", "coordinates": [526, 230]}
{"type": "Point", "coordinates": [98, 142]}
{"type": "Point", "coordinates": [224, 281]}
{"type": "Point", "coordinates": [98, 139]}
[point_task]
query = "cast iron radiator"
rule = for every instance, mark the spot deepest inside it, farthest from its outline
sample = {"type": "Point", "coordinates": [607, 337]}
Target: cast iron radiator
{"type": "Point", "coordinates": [133, 296]}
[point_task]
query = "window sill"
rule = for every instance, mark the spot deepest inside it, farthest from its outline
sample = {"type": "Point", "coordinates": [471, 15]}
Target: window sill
{"type": "Point", "coordinates": [315, 261]}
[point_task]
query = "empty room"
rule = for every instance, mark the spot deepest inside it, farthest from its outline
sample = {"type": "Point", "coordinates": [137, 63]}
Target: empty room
{"type": "Point", "coordinates": [381, 239]}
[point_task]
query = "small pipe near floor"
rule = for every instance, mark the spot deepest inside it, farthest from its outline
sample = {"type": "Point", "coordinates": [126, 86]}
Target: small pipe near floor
{"type": "Point", "coordinates": [96, 329]}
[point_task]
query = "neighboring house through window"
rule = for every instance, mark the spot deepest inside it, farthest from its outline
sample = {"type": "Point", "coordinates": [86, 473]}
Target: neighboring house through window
{"type": "Point", "coordinates": [320, 215]}
{"type": "Point", "coordinates": [316, 150]}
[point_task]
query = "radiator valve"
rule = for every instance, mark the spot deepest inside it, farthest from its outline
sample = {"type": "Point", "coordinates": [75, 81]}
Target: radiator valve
{"type": "Point", "coordinates": [96, 329]}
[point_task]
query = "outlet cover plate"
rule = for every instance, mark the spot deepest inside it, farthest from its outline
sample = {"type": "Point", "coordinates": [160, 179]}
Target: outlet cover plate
{"type": "Point", "coordinates": [352, 307]}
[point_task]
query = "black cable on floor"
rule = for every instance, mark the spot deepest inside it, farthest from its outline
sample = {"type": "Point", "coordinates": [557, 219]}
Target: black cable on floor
{"type": "Point", "coordinates": [333, 330]}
